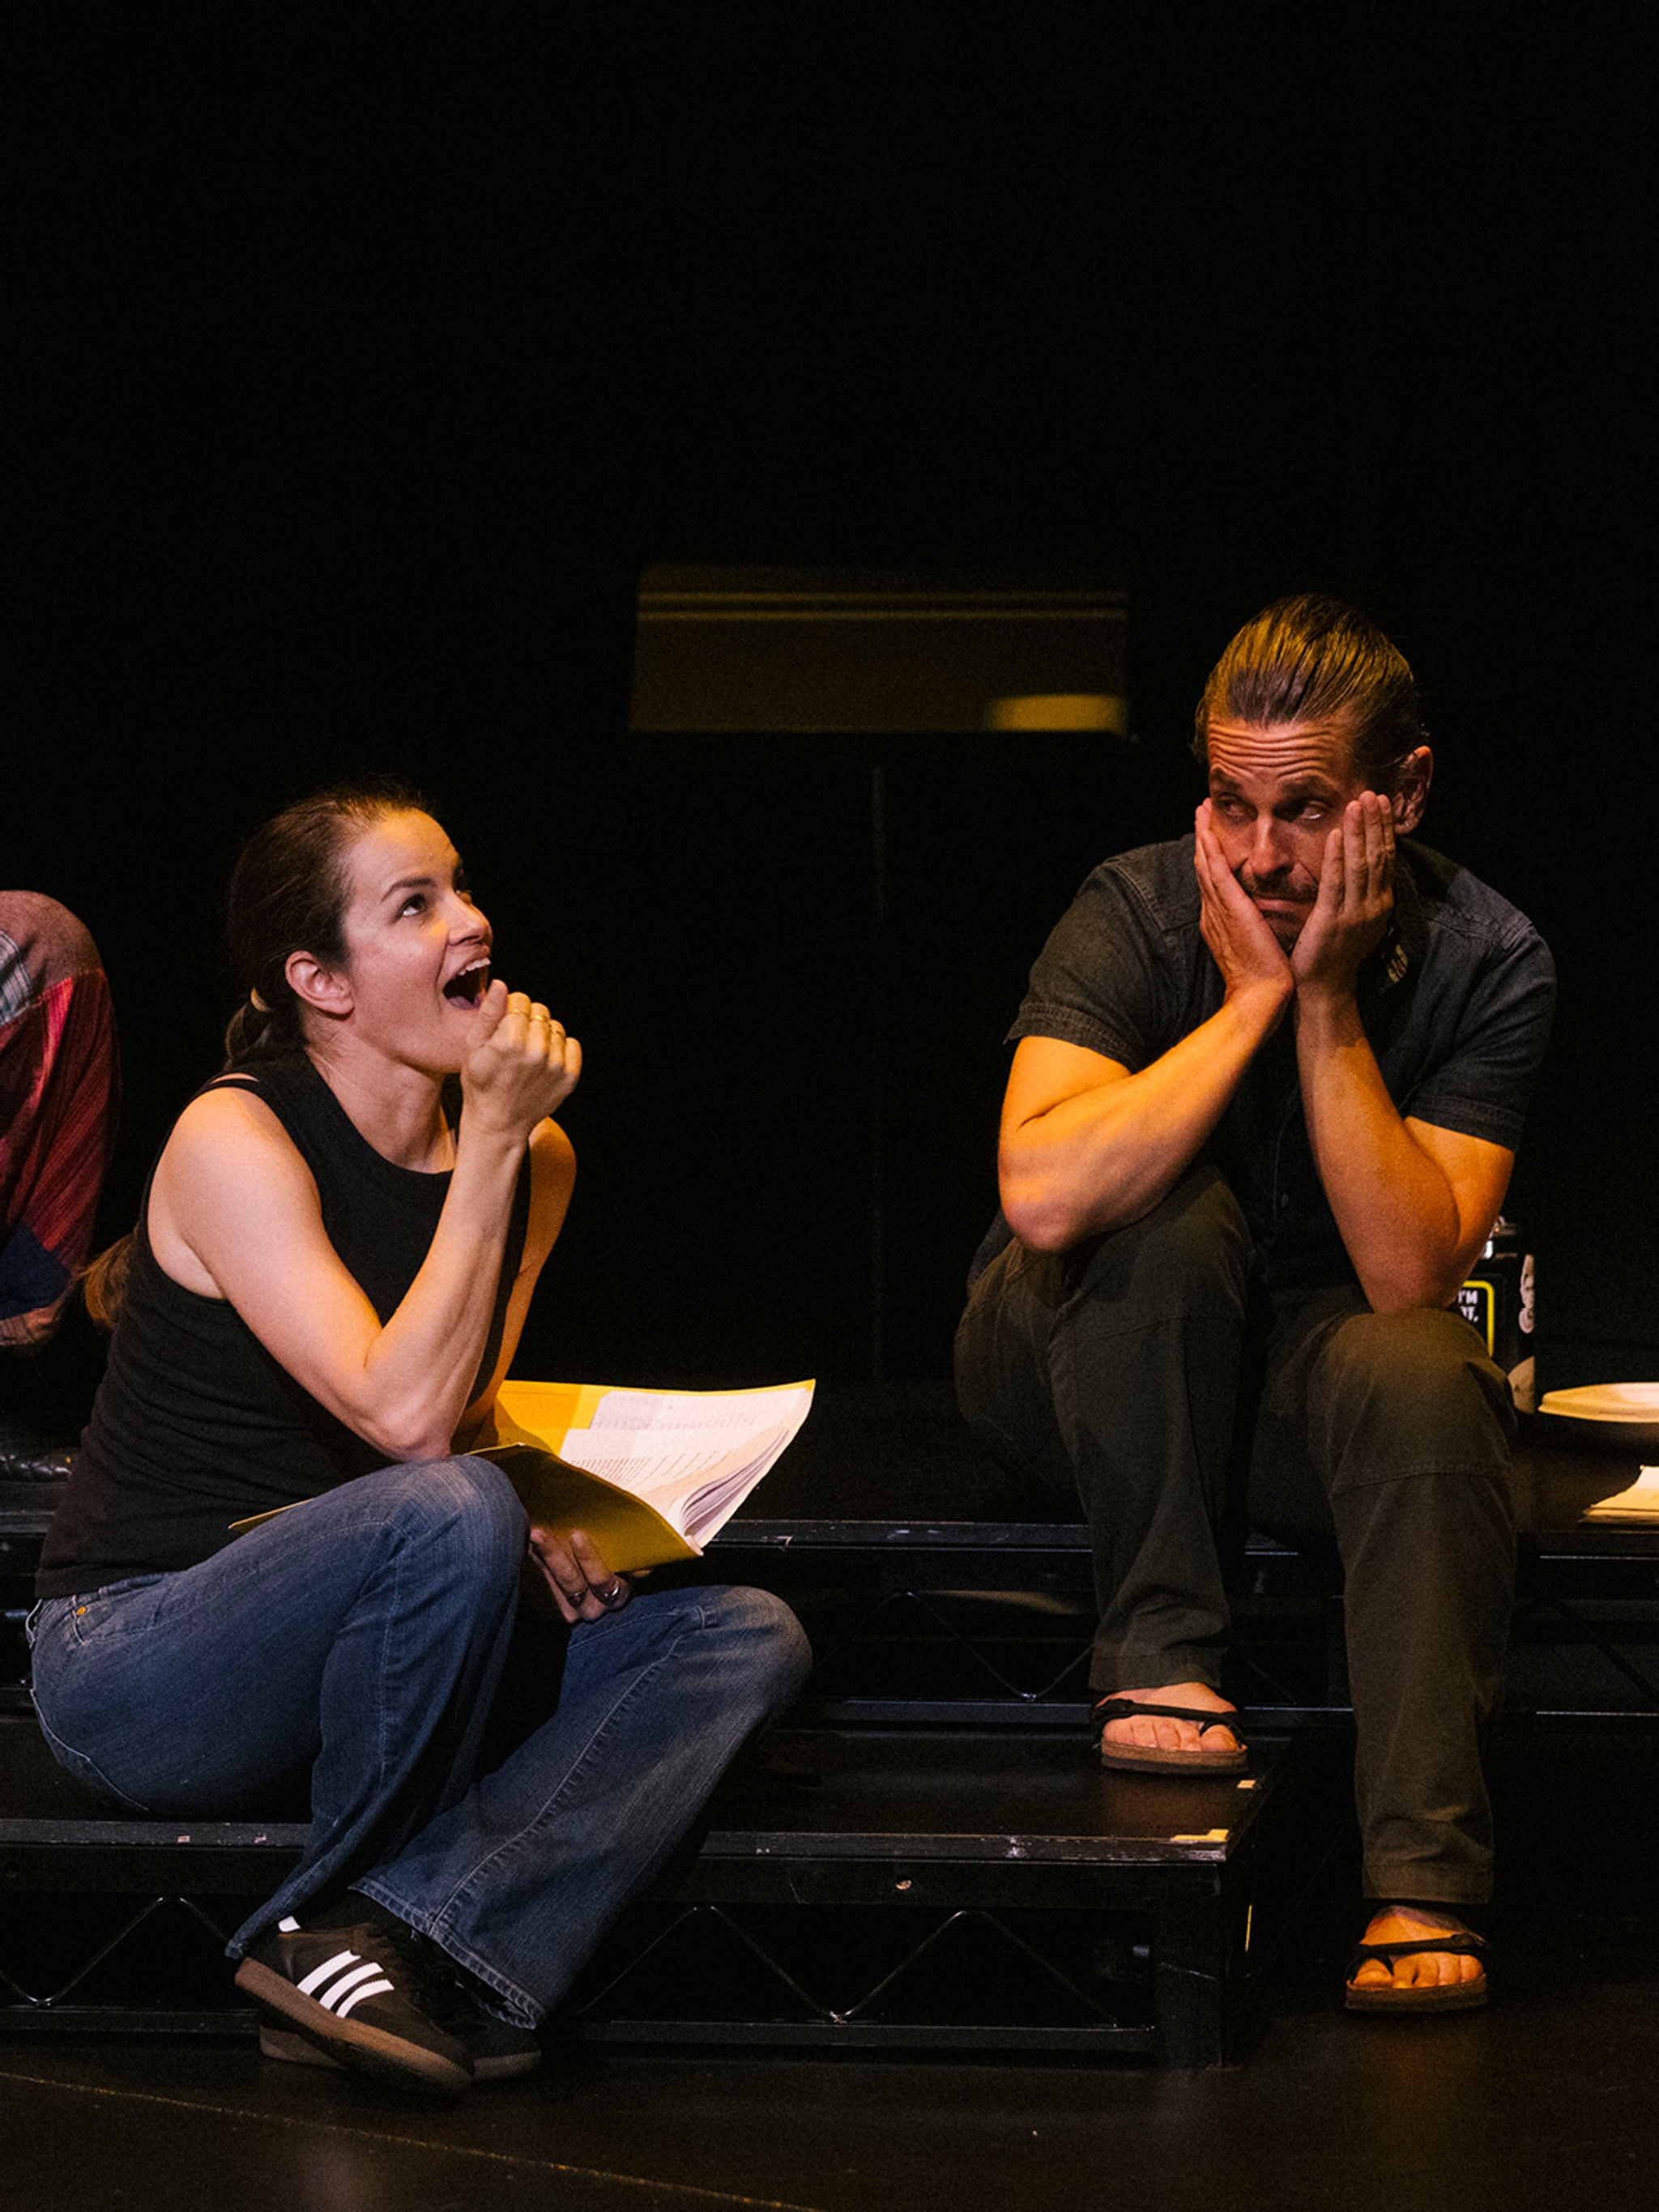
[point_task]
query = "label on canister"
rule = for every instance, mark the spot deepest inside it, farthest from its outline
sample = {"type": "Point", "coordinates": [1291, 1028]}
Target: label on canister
{"type": "Point", "coordinates": [1497, 1298]}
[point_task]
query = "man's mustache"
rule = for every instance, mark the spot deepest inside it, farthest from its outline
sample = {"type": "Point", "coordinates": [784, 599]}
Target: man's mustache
{"type": "Point", "coordinates": [1277, 886]}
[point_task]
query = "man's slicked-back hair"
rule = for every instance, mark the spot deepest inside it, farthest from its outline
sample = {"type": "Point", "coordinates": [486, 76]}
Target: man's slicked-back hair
{"type": "Point", "coordinates": [1316, 660]}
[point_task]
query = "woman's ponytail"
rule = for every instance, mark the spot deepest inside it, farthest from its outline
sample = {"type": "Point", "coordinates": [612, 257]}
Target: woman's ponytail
{"type": "Point", "coordinates": [104, 1280]}
{"type": "Point", "coordinates": [255, 1032]}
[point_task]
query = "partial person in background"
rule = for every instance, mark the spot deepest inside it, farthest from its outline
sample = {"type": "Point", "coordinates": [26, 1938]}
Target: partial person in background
{"type": "Point", "coordinates": [58, 1101]}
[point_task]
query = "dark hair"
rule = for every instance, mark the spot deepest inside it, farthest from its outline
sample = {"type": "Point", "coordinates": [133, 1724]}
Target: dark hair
{"type": "Point", "coordinates": [287, 894]}
{"type": "Point", "coordinates": [1314, 660]}
{"type": "Point", "coordinates": [104, 1280]}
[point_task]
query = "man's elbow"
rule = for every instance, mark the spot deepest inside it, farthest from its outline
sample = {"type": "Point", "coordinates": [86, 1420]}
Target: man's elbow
{"type": "Point", "coordinates": [1406, 1291]}
{"type": "Point", "coordinates": [1041, 1232]}
{"type": "Point", "coordinates": [1042, 1219]}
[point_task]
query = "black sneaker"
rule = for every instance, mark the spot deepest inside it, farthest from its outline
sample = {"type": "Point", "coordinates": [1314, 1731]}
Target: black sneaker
{"type": "Point", "coordinates": [360, 1996]}
{"type": "Point", "coordinates": [499, 2051]}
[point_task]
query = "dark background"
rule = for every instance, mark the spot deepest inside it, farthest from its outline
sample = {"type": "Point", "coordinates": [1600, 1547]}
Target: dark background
{"type": "Point", "coordinates": [355, 376]}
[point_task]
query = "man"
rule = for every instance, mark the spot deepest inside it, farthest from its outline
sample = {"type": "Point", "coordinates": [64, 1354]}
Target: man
{"type": "Point", "coordinates": [1262, 1117]}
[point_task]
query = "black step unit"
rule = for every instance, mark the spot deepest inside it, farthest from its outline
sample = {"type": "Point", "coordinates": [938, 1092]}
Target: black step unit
{"type": "Point", "coordinates": [928, 1857]}
{"type": "Point", "coordinates": [962, 1888]}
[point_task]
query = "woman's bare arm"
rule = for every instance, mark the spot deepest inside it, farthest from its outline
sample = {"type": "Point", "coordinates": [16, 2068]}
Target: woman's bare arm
{"type": "Point", "coordinates": [553, 1175]}
{"type": "Point", "coordinates": [234, 1214]}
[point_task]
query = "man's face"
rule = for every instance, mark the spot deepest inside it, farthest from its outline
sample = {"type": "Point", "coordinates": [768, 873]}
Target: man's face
{"type": "Point", "coordinates": [1276, 793]}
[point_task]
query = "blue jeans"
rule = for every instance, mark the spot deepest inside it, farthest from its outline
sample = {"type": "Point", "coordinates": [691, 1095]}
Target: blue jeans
{"type": "Point", "coordinates": [361, 1638]}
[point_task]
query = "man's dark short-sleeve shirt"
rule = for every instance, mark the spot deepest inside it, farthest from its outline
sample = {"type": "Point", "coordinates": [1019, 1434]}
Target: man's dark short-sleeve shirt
{"type": "Point", "coordinates": [1457, 1003]}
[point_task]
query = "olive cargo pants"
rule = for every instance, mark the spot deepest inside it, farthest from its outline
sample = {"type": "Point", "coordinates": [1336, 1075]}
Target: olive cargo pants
{"type": "Point", "coordinates": [1120, 1370]}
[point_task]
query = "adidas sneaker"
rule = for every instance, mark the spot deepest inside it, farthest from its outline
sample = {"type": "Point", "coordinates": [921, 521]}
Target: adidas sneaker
{"type": "Point", "coordinates": [499, 2051]}
{"type": "Point", "coordinates": [358, 1996]}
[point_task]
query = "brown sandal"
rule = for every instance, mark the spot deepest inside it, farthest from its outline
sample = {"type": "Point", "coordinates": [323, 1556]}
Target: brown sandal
{"type": "Point", "coordinates": [1154, 1758]}
{"type": "Point", "coordinates": [1431, 1997]}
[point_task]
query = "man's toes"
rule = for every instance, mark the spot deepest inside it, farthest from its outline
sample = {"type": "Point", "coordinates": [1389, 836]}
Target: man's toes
{"type": "Point", "coordinates": [1428, 1969]}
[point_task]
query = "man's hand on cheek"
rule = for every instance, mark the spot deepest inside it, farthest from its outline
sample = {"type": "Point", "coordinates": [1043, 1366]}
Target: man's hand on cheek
{"type": "Point", "coordinates": [1355, 904]}
{"type": "Point", "coordinates": [1241, 944]}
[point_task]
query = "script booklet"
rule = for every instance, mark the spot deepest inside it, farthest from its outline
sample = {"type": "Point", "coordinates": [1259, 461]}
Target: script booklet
{"type": "Point", "coordinates": [650, 1475]}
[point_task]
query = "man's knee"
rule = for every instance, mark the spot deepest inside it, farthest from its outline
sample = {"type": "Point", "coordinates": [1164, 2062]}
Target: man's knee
{"type": "Point", "coordinates": [1409, 1393]}
{"type": "Point", "coordinates": [1189, 1255]}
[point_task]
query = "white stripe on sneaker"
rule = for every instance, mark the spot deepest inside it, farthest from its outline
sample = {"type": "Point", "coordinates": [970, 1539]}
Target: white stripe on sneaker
{"type": "Point", "coordinates": [330, 1997]}
{"type": "Point", "coordinates": [336, 1965]}
{"type": "Point", "coordinates": [369, 1990]}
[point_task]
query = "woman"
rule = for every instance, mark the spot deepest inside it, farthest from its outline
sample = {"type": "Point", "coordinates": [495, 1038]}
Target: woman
{"type": "Point", "coordinates": [325, 1290]}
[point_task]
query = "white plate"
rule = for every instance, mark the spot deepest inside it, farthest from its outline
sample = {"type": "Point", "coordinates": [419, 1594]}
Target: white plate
{"type": "Point", "coordinates": [1605, 1417]}
{"type": "Point", "coordinates": [1605, 1401]}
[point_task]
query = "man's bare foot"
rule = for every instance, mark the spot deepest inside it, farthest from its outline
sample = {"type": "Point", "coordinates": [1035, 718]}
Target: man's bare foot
{"type": "Point", "coordinates": [1422, 1970]}
{"type": "Point", "coordinates": [1151, 1733]}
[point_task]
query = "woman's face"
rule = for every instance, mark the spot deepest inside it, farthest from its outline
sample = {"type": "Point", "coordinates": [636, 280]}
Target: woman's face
{"type": "Point", "coordinates": [417, 949]}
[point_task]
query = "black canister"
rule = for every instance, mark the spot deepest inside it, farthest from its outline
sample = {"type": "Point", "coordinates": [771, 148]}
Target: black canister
{"type": "Point", "coordinates": [1497, 1301]}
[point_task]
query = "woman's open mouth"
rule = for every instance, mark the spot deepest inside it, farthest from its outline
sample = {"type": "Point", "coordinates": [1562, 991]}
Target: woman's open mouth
{"type": "Point", "coordinates": [467, 987]}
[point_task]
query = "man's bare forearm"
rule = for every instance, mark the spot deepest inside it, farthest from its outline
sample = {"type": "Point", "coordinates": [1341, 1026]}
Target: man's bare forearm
{"type": "Point", "coordinates": [1102, 1154]}
{"type": "Point", "coordinates": [1397, 1212]}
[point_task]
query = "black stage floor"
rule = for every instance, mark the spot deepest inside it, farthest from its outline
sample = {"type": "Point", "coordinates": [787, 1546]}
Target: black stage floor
{"type": "Point", "coordinates": [1545, 2100]}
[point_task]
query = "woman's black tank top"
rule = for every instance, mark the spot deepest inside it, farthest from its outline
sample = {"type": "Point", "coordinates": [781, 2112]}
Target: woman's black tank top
{"type": "Point", "coordinates": [196, 1425]}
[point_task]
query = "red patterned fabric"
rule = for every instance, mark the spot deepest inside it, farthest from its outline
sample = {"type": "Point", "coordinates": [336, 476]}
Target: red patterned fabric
{"type": "Point", "coordinates": [57, 1095]}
